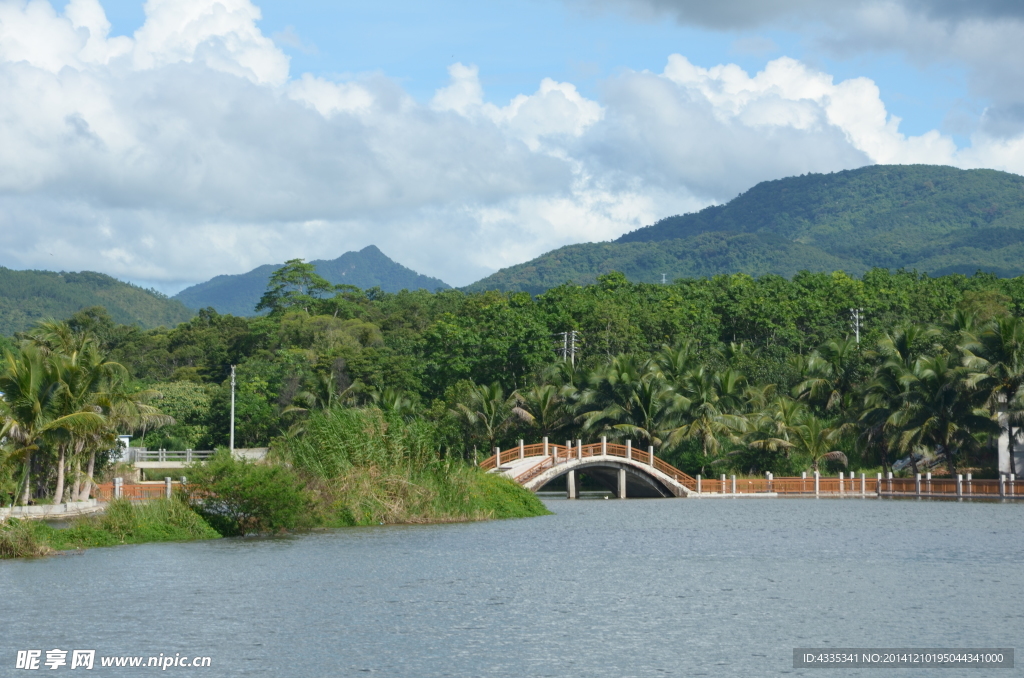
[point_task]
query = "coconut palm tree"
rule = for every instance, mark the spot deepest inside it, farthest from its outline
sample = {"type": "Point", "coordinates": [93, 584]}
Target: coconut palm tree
{"type": "Point", "coordinates": [712, 408]}
{"type": "Point", "coordinates": [488, 410]}
{"type": "Point", "coordinates": [33, 409]}
{"type": "Point", "coordinates": [996, 365]}
{"type": "Point", "coordinates": [939, 411]}
{"type": "Point", "coordinates": [631, 399]}
{"type": "Point", "coordinates": [813, 438]}
{"type": "Point", "coordinates": [547, 407]}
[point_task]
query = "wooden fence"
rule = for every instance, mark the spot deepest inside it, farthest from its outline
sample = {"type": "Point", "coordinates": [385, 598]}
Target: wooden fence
{"type": "Point", "coordinates": [135, 491]}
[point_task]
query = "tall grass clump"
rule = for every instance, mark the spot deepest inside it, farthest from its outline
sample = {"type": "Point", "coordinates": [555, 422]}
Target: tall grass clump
{"type": "Point", "coordinates": [123, 522]}
{"type": "Point", "coordinates": [365, 466]}
{"type": "Point", "coordinates": [18, 539]}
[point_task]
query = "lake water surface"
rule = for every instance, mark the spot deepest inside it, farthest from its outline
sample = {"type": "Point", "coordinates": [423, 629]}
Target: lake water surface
{"type": "Point", "coordinates": [664, 587]}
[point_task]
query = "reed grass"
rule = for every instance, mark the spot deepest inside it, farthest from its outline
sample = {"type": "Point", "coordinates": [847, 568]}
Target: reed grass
{"type": "Point", "coordinates": [123, 522]}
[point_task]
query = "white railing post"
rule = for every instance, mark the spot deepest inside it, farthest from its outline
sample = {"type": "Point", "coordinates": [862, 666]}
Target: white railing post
{"type": "Point", "coordinates": [698, 483]}
{"type": "Point", "coordinates": [522, 449]}
{"type": "Point", "coordinates": [863, 485]}
{"type": "Point", "coordinates": [969, 490]}
{"type": "Point", "coordinates": [650, 451]}
{"type": "Point", "coordinates": [817, 484]}
{"type": "Point", "coordinates": [167, 486]}
{"type": "Point", "coordinates": [629, 449]}
{"type": "Point", "coordinates": [803, 481]}
{"type": "Point", "coordinates": [118, 489]}
{"type": "Point", "coordinates": [1002, 486]}
{"type": "Point", "coordinates": [959, 485]}
{"type": "Point", "coordinates": [878, 486]}
{"type": "Point", "coordinates": [545, 446]}
{"type": "Point", "coordinates": [497, 457]}
{"type": "Point", "coordinates": [724, 487]}
{"type": "Point", "coordinates": [890, 482]}
{"type": "Point", "coordinates": [917, 484]}
{"type": "Point", "coordinates": [604, 446]}
{"type": "Point", "coordinates": [840, 483]}
{"type": "Point", "coordinates": [1013, 491]}
{"type": "Point", "coordinates": [734, 483]}
{"type": "Point", "coordinates": [579, 448]}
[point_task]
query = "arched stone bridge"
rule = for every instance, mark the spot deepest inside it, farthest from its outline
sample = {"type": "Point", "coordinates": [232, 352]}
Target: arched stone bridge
{"type": "Point", "coordinates": [624, 470]}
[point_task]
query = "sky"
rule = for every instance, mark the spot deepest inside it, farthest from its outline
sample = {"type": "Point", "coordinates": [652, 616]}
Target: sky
{"type": "Point", "coordinates": [170, 141]}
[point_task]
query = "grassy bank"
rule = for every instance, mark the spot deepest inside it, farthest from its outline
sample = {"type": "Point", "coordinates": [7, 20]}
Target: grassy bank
{"type": "Point", "coordinates": [352, 467]}
{"type": "Point", "coordinates": [122, 523]}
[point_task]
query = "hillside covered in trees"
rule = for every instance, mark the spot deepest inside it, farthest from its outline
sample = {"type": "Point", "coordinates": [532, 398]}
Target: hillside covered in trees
{"type": "Point", "coordinates": [365, 269]}
{"type": "Point", "coordinates": [932, 219]}
{"type": "Point", "coordinates": [29, 296]}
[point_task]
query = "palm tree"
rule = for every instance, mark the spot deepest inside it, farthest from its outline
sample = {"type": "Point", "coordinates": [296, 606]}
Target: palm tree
{"type": "Point", "coordinates": [828, 374]}
{"type": "Point", "coordinates": [32, 404]}
{"type": "Point", "coordinates": [546, 407]}
{"type": "Point", "coordinates": [487, 409]}
{"type": "Point", "coordinates": [938, 410]}
{"type": "Point", "coordinates": [814, 439]}
{"type": "Point", "coordinates": [713, 408]}
{"type": "Point", "coordinates": [632, 399]}
{"type": "Point", "coordinates": [996, 364]}
{"type": "Point", "coordinates": [884, 395]}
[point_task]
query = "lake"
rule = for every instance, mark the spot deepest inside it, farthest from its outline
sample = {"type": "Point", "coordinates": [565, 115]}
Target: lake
{"type": "Point", "coordinates": [659, 587]}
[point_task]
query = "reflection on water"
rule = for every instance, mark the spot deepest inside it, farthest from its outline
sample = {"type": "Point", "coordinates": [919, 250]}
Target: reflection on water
{"type": "Point", "coordinates": [602, 588]}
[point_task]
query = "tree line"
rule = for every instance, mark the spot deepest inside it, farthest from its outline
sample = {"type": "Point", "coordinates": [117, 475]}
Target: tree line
{"type": "Point", "coordinates": [728, 373]}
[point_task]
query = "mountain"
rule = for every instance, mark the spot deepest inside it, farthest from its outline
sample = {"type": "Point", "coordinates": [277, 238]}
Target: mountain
{"type": "Point", "coordinates": [934, 219]}
{"type": "Point", "coordinates": [369, 267]}
{"type": "Point", "coordinates": [28, 296]}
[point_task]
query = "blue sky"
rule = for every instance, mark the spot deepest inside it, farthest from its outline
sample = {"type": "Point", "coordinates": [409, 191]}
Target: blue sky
{"type": "Point", "coordinates": [516, 44]}
{"type": "Point", "coordinates": [169, 142]}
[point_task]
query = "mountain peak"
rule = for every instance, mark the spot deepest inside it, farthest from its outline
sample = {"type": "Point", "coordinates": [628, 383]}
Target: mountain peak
{"type": "Point", "coordinates": [369, 267]}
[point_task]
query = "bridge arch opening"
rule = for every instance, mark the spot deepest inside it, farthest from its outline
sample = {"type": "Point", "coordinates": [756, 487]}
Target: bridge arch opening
{"type": "Point", "coordinates": [599, 477]}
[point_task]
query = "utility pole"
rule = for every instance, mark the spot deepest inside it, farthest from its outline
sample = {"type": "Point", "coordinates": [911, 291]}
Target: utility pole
{"type": "Point", "coordinates": [232, 411]}
{"type": "Point", "coordinates": [855, 319]}
{"type": "Point", "coordinates": [663, 280]}
{"type": "Point", "coordinates": [568, 349]}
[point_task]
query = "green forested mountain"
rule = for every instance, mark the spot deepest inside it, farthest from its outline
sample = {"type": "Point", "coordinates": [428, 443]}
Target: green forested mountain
{"type": "Point", "coordinates": [933, 219]}
{"type": "Point", "coordinates": [367, 268]}
{"type": "Point", "coordinates": [28, 296]}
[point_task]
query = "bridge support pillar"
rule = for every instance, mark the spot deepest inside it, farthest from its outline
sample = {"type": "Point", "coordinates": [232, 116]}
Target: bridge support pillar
{"type": "Point", "coordinates": [570, 483]}
{"type": "Point", "coordinates": [622, 483]}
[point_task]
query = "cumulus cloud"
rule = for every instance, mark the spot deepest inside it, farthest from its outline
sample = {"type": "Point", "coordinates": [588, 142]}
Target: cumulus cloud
{"type": "Point", "coordinates": [189, 149]}
{"type": "Point", "coordinates": [986, 37]}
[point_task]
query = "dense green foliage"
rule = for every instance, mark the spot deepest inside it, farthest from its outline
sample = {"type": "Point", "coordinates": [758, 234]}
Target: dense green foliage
{"type": "Point", "coordinates": [478, 370]}
{"type": "Point", "coordinates": [29, 296]}
{"type": "Point", "coordinates": [366, 269]}
{"type": "Point", "coordinates": [933, 219]}
{"type": "Point", "coordinates": [123, 522]}
{"type": "Point", "coordinates": [239, 497]}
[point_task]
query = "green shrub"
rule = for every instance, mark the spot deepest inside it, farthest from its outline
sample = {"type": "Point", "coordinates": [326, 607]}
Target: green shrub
{"type": "Point", "coordinates": [18, 539]}
{"type": "Point", "coordinates": [241, 497]}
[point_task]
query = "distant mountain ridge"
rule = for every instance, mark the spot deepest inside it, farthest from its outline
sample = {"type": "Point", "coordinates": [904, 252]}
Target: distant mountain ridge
{"type": "Point", "coordinates": [934, 219]}
{"type": "Point", "coordinates": [367, 268]}
{"type": "Point", "coordinates": [29, 296]}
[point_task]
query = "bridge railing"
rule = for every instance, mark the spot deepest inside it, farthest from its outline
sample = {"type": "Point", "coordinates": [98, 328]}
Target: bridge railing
{"type": "Point", "coordinates": [560, 454]}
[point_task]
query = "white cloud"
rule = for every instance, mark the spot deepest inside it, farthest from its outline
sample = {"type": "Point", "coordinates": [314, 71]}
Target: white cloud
{"type": "Point", "coordinates": [190, 150]}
